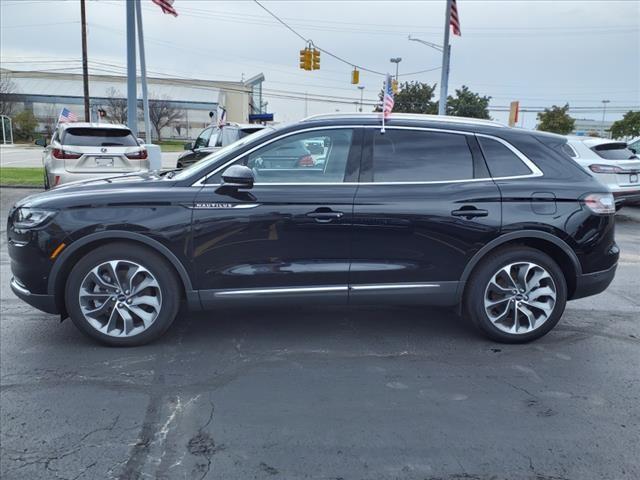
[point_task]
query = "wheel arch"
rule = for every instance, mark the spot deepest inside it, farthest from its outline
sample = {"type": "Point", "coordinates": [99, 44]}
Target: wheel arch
{"type": "Point", "coordinates": [64, 263]}
{"type": "Point", "coordinates": [553, 246]}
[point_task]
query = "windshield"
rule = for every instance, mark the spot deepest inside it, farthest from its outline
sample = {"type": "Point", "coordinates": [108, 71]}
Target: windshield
{"type": "Point", "coordinates": [614, 151]}
{"type": "Point", "coordinates": [102, 137]}
{"type": "Point", "coordinates": [204, 164]}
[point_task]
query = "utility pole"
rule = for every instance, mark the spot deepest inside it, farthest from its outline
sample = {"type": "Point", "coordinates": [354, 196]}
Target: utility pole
{"type": "Point", "coordinates": [361, 88]}
{"type": "Point", "coordinates": [85, 63]}
{"type": "Point", "coordinates": [132, 94]}
{"type": "Point", "coordinates": [604, 111]}
{"type": "Point", "coordinates": [446, 52]}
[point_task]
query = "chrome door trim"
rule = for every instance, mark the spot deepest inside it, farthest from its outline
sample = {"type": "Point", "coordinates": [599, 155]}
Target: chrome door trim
{"type": "Point", "coordinates": [285, 290]}
{"type": "Point", "coordinates": [392, 286]}
{"type": "Point", "coordinates": [536, 172]}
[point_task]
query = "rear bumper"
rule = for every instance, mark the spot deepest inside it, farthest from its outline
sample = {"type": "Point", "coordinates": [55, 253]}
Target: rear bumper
{"type": "Point", "coordinates": [62, 177]}
{"type": "Point", "coordinates": [46, 303]}
{"type": "Point", "coordinates": [593, 283]}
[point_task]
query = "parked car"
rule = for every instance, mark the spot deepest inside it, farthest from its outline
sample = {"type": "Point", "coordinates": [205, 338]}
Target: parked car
{"type": "Point", "coordinates": [82, 151]}
{"type": "Point", "coordinates": [214, 138]}
{"type": "Point", "coordinates": [634, 145]}
{"type": "Point", "coordinates": [611, 162]}
{"type": "Point", "coordinates": [435, 211]}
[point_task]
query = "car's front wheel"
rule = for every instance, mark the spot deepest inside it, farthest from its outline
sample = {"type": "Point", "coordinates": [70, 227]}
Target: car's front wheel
{"type": "Point", "coordinates": [122, 295]}
{"type": "Point", "coordinates": [516, 295]}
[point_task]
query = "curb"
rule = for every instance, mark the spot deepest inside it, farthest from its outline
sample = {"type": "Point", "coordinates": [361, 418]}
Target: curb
{"type": "Point", "coordinates": [32, 187]}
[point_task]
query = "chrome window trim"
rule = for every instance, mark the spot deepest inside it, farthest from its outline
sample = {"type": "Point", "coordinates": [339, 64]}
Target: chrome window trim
{"type": "Point", "coordinates": [536, 172]}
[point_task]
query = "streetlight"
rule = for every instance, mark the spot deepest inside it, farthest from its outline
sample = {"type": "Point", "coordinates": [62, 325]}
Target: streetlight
{"type": "Point", "coordinates": [435, 46]}
{"type": "Point", "coordinates": [397, 61]}
{"type": "Point", "coordinates": [361, 88]}
{"type": "Point", "coordinates": [604, 111]}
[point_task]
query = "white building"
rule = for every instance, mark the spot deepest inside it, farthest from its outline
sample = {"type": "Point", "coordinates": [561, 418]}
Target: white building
{"type": "Point", "coordinates": [46, 93]}
{"type": "Point", "coordinates": [588, 126]}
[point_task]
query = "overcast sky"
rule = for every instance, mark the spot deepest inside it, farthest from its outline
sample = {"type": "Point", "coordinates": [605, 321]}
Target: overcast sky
{"type": "Point", "coordinates": [538, 52]}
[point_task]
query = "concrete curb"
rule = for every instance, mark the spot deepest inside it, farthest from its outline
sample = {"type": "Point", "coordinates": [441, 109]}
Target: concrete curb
{"type": "Point", "coordinates": [33, 187]}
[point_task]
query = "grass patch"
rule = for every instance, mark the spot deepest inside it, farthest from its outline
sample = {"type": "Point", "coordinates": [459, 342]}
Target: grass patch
{"type": "Point", "coordinates": [172, 145]}
{"type": "Point", "coordinates": [32, 177]}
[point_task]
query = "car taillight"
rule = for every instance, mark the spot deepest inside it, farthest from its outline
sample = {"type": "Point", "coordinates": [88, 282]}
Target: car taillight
{"type": "Point", "coordinates": [600, 203]}
{"type": "Point", "coordinates": [141, 155]}
{"type": "Point", "coordinates": [605, 169]}
{"type": "Point", "coordinates": [64, 155]}
{"type": "Point", "coordinates": [306, 161]}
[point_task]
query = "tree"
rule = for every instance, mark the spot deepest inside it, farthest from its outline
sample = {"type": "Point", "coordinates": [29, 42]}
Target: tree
{"type": "Point", "coordinates": [468, 104]}
{"type": "Point", "coordinates": [162, 113]}
{"type": "Point", "coordinates": [116, 106]}
{"type": "Point", "coordinates": [556, 119]}
{"type": "Point", "coordinates": [628, 126]}
{"type": "Point", "coordinates": [413, 97]}
{"type": "Point", "coordinates": [25, 125]}
{"type": "Point", "coordinates": [7, 87]}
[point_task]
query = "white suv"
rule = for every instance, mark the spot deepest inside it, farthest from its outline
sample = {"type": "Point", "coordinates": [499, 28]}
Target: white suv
{"type": "Point", "coordinates": [611, 162]}
{"type": "Point", "coordinates": [81, 151]}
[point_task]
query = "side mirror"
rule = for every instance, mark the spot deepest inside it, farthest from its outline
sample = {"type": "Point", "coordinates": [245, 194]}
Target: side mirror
{"type": "Point", "coordinates": [237, 176]}
{"type": "Point", "coordinates": [42, 142]}
{"type": "Point", "coordinates": [188, 146]}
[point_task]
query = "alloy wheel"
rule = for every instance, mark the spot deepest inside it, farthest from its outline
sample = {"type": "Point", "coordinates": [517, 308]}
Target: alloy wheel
{"type": "Point", "coordinates": [520, 298]}
{"type": "Point", "coordinates": [120, 298]}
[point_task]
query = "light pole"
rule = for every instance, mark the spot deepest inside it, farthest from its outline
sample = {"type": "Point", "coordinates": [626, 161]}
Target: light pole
{"type": "Point", "coordinates": [361, 88]}
{"type": "Point", "coordinates": [446, 53]}
{"type": "Point", "coordinates": [604, 111]}
{"type": "Point", "coordinates": [435, 46]}
{"type": "Point", "coordinates": [397, 61]}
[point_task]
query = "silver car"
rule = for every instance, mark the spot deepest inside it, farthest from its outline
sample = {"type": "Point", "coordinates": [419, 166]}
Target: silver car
{"type": "Point", "coordinates": [82, 151]}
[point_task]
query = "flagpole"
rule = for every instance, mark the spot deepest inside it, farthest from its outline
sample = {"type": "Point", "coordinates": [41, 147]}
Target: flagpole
{"type": "Point", "coordinates": [143, 72]}
{"type": "Point", "coordinates": [446, 52]}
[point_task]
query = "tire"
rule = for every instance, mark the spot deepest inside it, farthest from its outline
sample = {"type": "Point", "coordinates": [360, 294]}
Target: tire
{"type": "Point", "coordinates": [139, 317]}
{"type": "Point", "coordinates": [490, 293]}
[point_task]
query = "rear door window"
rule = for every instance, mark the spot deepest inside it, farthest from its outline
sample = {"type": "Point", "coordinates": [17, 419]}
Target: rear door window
{"type": "Point", "coordinates": [614, 151]}
{"type": "Point", "coordinates": [420, 156]}
{"type": "Point", "coordinates": [501, 160]}
{"type": "Point", "coordinates": [100, 137]}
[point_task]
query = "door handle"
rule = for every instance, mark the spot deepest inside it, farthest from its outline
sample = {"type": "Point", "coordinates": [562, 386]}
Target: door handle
{"type": "Point", "coordinates": [470, 212]}
{"type": "Point", "coordinates": [324, 216]}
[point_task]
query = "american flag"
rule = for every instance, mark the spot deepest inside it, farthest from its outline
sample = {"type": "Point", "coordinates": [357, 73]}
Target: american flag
{"type": "Point", "coordinates": [387, 101]}
{"type": "Point", "coordinates": [66, 116]}
{"type": "Point", "coordinates": [454, 20]}
{"type": "Point", "coordinates": [166, 6]}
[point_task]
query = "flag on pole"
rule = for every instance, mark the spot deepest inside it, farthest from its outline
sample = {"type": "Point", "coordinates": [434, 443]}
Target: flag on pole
{"type": "Point", "coordinates": [166, 6]}
{"type": "Point", "coordinates": [454, 20]}
{"type": "Point", "coordinates": [387, 101]}
{"type": "Point", "coordinates": [67, 116]}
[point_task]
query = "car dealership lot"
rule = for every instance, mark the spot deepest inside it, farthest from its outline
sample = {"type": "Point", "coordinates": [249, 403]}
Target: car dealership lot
{"type": "Point", "coordinates": [366, 393]}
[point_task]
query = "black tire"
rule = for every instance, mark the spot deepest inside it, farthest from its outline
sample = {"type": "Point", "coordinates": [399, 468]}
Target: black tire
{"type": "Point", "coordinates": [162, 271]}
{"type": "Point", "coordinates": [474, 308]}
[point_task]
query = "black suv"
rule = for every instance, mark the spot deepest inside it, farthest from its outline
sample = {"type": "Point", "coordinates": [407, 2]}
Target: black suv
{"type": "Point", "coordinates": [431, 211]}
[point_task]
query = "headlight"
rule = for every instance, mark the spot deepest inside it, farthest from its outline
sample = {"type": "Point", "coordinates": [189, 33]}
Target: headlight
{"type": "Point", "coordinates": [31, 217]}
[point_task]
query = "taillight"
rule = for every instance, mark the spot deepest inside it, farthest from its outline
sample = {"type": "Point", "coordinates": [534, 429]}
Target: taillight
{"type": "Point", "coordinates": [306, 161]}
{"type": "Point", "coordinates": [600, 203]}
{"type": "Point", "coordinates": [605, 169]}
{"type": "Point", "coordinates": [64, 155]}
{"type": "Point", "coordinates": [140, 155]}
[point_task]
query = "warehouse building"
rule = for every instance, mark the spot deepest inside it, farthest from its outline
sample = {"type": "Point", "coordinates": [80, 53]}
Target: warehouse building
{"type": "Point", "coordinates": [192, 100]}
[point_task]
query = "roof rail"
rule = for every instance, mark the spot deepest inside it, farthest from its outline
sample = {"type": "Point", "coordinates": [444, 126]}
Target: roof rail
{"type": "Point", "coordinates": [408, 116]}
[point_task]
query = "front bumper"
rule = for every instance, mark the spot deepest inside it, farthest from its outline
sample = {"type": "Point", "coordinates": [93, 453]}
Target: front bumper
{"type": "Point", "coordinates": [589, 284]}
{"type": "Point", "coordinates": [46, 303]}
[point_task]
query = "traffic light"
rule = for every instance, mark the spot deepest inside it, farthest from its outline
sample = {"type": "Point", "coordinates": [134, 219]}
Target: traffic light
{"type": "Point", "coordinates": [316, 59]}
{"type": "Point", "coordinates": [305, 59]}
{"type": "Point", "coordinates": [355, 76]}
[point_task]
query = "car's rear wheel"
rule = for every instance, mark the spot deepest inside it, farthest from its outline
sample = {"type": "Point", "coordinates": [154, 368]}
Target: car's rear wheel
{"type": "Point", "coordinates": [122, 295]}
{"type": "Point", "coordinates": [516, 295]}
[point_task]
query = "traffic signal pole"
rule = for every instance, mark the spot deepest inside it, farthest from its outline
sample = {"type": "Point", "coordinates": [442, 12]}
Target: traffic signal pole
{"type": "Point", "coordinates": [446, 53]}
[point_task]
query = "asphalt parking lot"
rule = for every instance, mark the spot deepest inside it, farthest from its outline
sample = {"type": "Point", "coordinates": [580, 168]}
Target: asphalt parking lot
{"type": "Point", "coordinates": [326, 393]}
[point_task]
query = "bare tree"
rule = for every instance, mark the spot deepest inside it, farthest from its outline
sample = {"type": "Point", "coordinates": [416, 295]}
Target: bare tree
{"type": "Point", "coordinates": [162, 114]}
{"type": "Point", "coordinates": [116, 106]}
{"type": "Point", "coordinates": [50, 118]}
{"type": "Point", "coordinates": [7, 87]}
